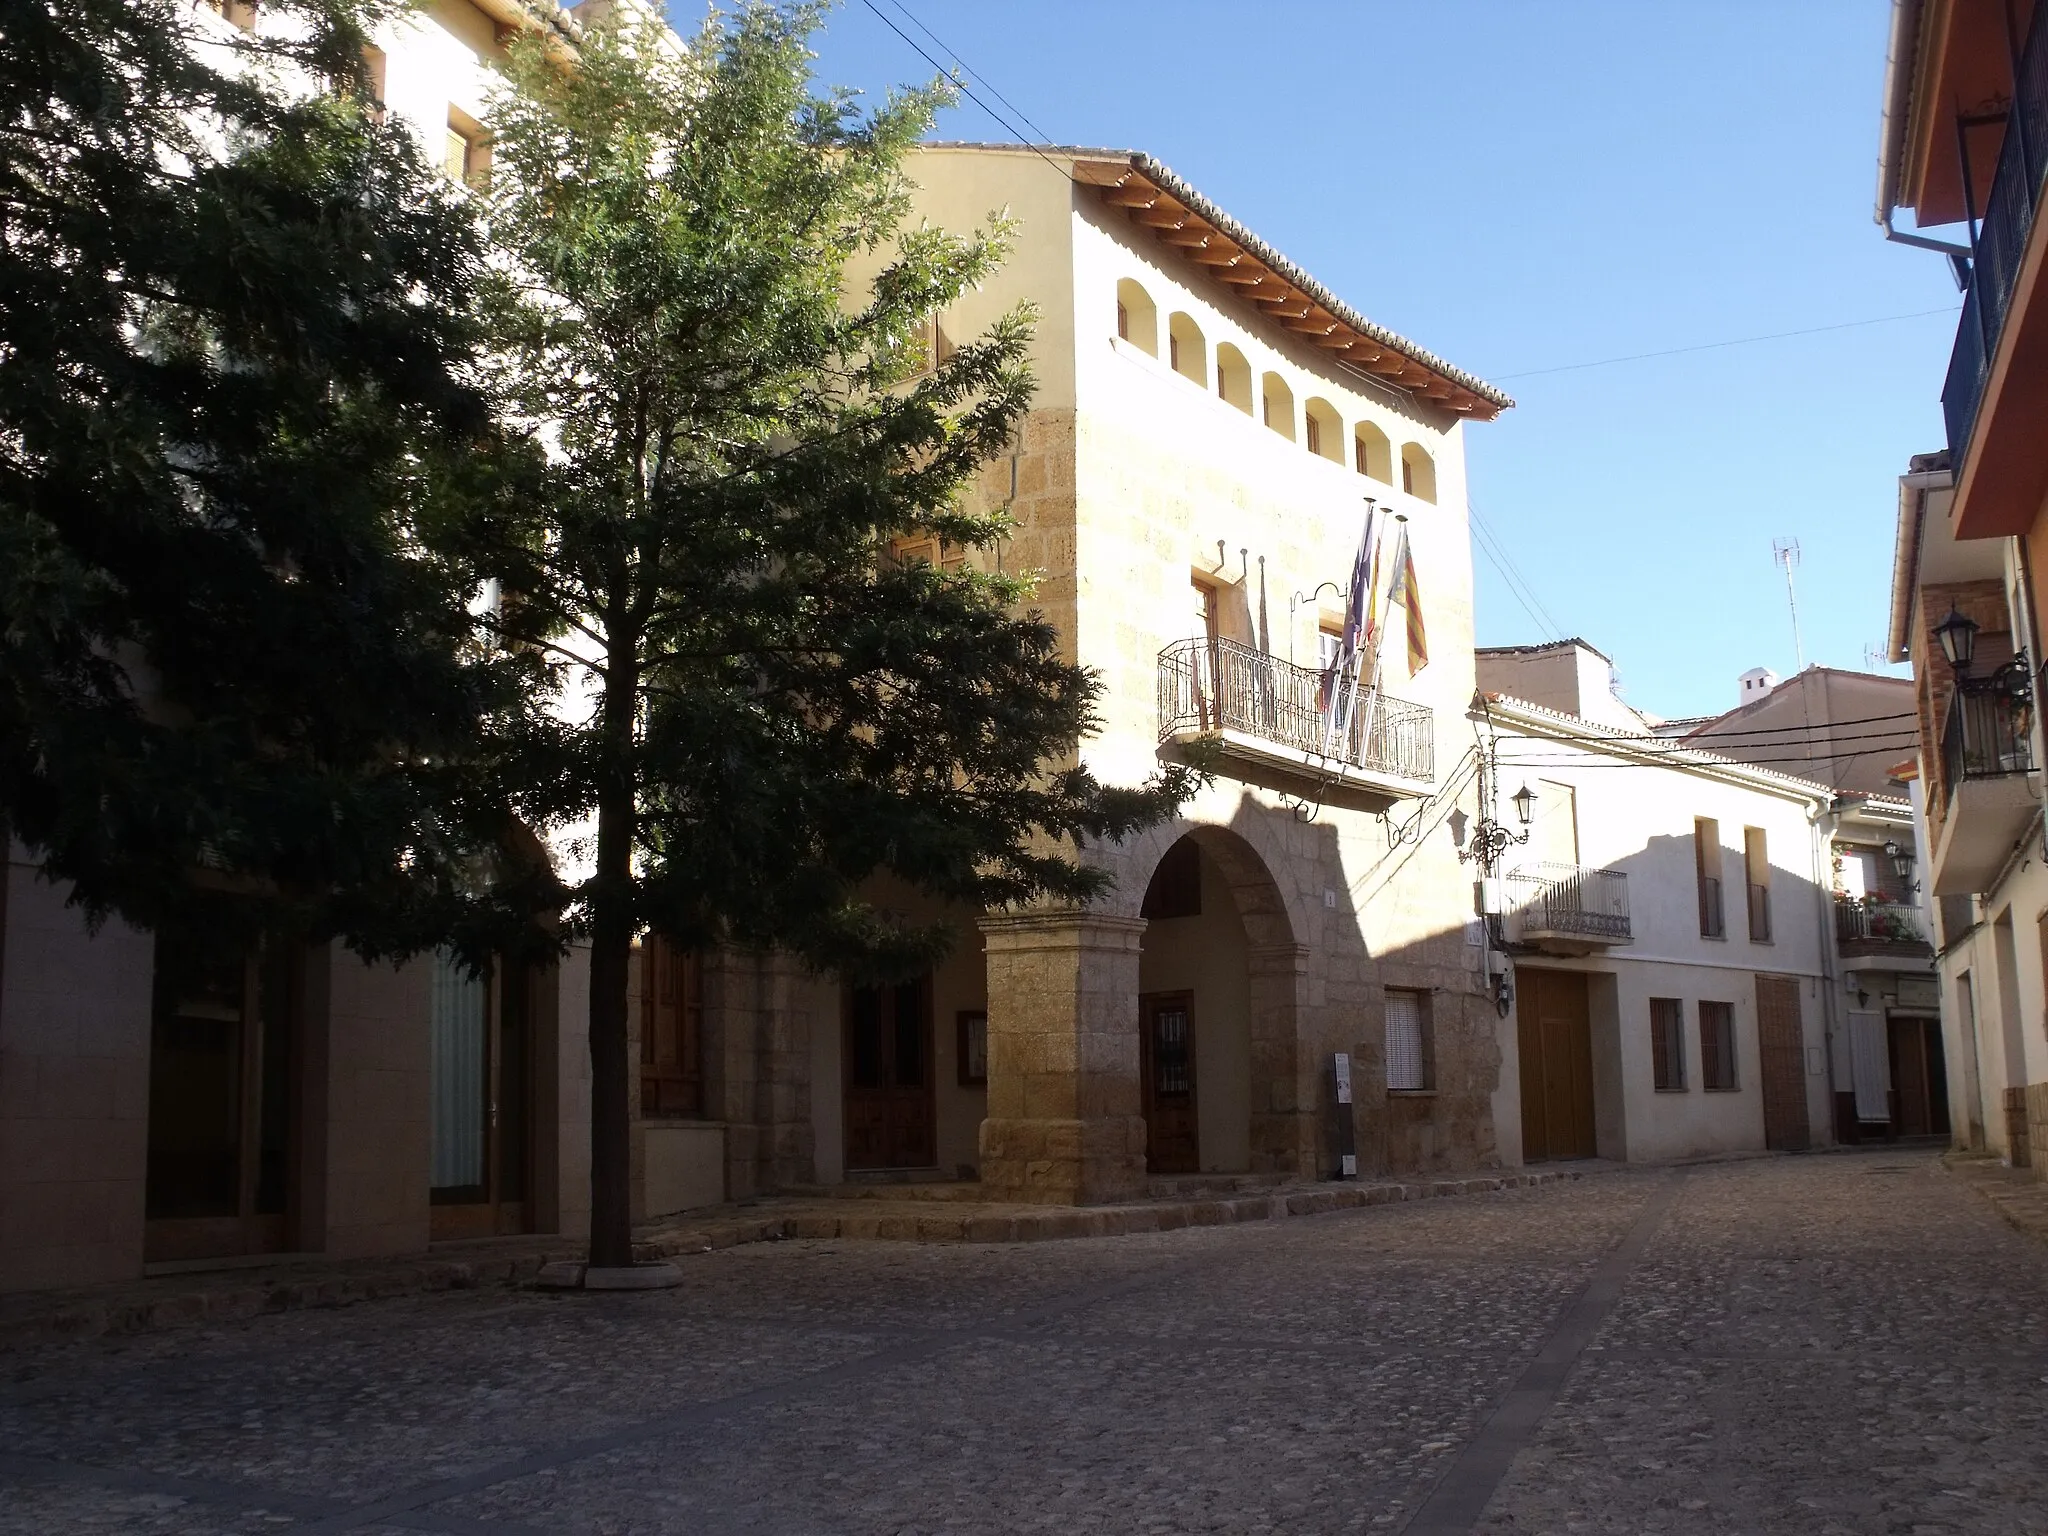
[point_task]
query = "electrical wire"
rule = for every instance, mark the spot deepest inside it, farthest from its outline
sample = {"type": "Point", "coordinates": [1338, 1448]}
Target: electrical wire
{"type": "Point", "coordinates": [966, 69]}
{"type": "Point", "coordinates": [1735, 341]}
{"type": "Point", "coordinates": [1509, 581]}
{"type": "Point", "coordinates": [1519, 586]}
{"type": "Point", "coordinates": [1771, 730]}
{"type": "Point", "coordinates": [1007, 126]}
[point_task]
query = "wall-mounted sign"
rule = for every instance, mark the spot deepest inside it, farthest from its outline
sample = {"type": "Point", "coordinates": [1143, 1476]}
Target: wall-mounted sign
{"type": "Point", "coordinates": [1919, 992]}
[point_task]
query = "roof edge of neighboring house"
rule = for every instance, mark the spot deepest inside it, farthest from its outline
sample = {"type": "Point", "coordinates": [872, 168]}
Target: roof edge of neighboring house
{"type": "Point", "coordinates": [1902, 47]}
{"type": "Point", "coordinates": [1885, 807]}
{"type": "Point", "coordinates": [1651, 751]}
{"type": "Point", "coordinates": [1709, 723]}
{"type": "Point", "coordinates": [1924, 472]}
{"type": "Point", "coordinates": [1123, 163]}
{"type": "Point", "coordinates": [1569, 642]}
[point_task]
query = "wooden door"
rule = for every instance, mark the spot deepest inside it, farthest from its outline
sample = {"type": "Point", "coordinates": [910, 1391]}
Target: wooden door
{"type": "Point", "coordinates": [891, 1118]}
{"type": "Point", "coordinates": [1919, 1078]}
{"type": "Point", "coordinates": [1781, 1047]}
{"type": "Point", "coordinates": [223, 1036]}
{"type": "Point", "coordinates": [1554, 1038]}
{"type": "Point", "coordinates": [1172, 1139]}
{"type": "Point", "coordinates": [481, 1125]}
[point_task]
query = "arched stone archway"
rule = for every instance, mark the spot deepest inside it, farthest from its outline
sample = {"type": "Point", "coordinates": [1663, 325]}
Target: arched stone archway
{"type": "Point", "coordinates": [1066, 1097]}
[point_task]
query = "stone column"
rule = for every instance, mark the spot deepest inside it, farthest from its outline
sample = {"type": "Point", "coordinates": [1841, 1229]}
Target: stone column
{"type": "Point", "coordinates": [1065, 1120]}
{"type": "Point", "coordinates": [1286, 1075]}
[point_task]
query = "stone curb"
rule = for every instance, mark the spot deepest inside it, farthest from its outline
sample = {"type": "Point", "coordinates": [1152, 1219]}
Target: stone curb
{"type": "Point", "coordinates": [224, 1299]}
{"type": "Point", "coordinates": [2021, 1202]}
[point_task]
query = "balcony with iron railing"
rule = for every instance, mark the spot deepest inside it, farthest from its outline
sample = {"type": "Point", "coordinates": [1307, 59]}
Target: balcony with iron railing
{"type": "Point", "coordinates": [1568, 909]}
{"type": "Point", "coordinates": [1988, 734]}
{"type": "Point", "coordinates": [1989, 791]}
{"type": "Point", "coordinates": [1999, 238]}
{"type": "Point", "coordinates": [1873, 927]}
{"type": "Point", "coordinates": [1269, 715]}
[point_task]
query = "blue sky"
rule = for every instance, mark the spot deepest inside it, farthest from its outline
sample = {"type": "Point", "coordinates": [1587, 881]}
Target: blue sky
{"type": "Point", "coordinates": [1521, 187]}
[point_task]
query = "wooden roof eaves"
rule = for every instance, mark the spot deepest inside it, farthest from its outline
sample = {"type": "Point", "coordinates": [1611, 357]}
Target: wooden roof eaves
{"type": "Point", "coordinates": [1179, 216]}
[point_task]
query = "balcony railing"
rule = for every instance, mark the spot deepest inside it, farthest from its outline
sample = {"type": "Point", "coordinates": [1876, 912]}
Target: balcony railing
{"type": "Point", "coordinates": [1569, 899]}
{"type": "Point", "coordinates": [1712, 923]}
{"type": "Point", "coordinates": [1759, 911]}
{"type": "Point", "coordinates": [2001, 243]}
{"type": "Point", "coordinates": [1212, 686]}
{"type": "Point", "coordinates": [1989, 734]}
{"type": "Point", "coordinates": [1869, 923]}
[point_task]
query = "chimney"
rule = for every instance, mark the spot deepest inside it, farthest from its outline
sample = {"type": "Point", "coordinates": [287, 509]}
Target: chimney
{"type": "Point", "coordinates": [1754, 684]}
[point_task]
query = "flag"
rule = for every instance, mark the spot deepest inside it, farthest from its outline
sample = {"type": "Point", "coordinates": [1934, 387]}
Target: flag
{"type": "Point", "coordinates": [1402, 589]}
{"type": "Point", "coordinates": [1356, 603]}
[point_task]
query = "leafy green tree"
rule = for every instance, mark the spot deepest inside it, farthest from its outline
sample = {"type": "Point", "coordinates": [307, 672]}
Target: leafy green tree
{"type": "Point", "coordinates": [236, 318]}
{"type": "Point", "coordinates": [760, 709]}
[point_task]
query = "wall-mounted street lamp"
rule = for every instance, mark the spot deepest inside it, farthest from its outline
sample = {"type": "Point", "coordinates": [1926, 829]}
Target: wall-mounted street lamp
{"type": "Point", "coordinates": [1958, 636]}
{"type": "Point", "coordinates": [1902, 864]}
{"type": "Point", "coordinates": [1490, 839]}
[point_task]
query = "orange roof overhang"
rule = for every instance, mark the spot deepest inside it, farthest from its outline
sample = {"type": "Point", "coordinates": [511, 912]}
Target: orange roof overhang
{"type": "Point", "coordinates": [1178, 217]}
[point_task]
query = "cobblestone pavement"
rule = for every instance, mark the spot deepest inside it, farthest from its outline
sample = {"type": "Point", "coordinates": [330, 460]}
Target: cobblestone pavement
{"type": "Point", "coordinates": [1843, 1343]}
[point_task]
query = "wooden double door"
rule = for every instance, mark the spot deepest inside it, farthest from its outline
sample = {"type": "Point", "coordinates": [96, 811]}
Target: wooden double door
{"type": "Point", "coordinates": [1172, 1133]}
{"type": "Point", "coordinates": [223, 1057]}
{"type": "Point", "coordinates": [481, 1039]}
{"type": "Point", "coordinates": [890, 1108]}
{"type": "Point", "coordinates": [1554, 1039]}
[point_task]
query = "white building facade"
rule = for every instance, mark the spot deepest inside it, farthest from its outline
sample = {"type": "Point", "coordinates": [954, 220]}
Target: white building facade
{"type": "Point", "coordinates": [1669, 923]}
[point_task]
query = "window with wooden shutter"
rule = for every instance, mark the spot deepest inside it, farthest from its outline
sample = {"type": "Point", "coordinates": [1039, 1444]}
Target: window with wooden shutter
{"type": "Point", "coordinates": [1756, 869]}
{"type": "Point", "coordinates": [467, 155]}
{"type": "Point", "coordinates": [1667, 1043]}
{"type": "Point", "coordinates": [1408, 1052]}
{"type": "Point", "coordinates": [671, 1032]}
{"type": "Point", "coordinates": [1706, 845]}
{"type": "Point", "coordinates": [929, 549]}
{"type": "Point", "coordinates": [1717, 1046]}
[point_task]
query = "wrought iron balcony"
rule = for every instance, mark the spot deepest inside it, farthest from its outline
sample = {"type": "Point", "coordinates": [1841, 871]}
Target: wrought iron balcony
{"type": "Point", "coordinates": [1989, 732]}
{"type": "Point", "coordinates": [1989, 789]}
{"type": "Point", "coordinates": [1257, 706]}
{"type": "Point", "coordinates": [2000, 244]}
{"type": "Point", "coordinates": [1568, 908]}
{"type": "Point", "coordinates": [1869, 925]}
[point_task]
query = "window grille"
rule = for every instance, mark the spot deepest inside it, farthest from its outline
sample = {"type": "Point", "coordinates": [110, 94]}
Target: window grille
{"type": "Point", "coordinates": [1407, 1043]}
{"type": "Point", "coordinates": [1706, 837]}
{"type": "Point", "coordinates": [1717, 1046]}
{"type": "Point", "coordinates": [1667, 1043]}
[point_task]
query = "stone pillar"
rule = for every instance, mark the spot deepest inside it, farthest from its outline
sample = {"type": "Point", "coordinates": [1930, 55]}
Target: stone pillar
{"type": "Point", "coordinates": [1286, 1076]}
{"type": "Point", "coordinates": [1065, 1120]}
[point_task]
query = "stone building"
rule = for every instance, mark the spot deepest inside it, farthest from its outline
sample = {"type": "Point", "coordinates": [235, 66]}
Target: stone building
{"type": "Point", "coordinates": [165, 1102]}
{"type": "Point", "coordinates": [1192, 483]}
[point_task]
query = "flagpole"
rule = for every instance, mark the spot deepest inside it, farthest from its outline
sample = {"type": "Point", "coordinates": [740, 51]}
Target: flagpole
{"type": "Point", "coordinates": [1372, 577]}
{"type": "Point", "coordinates": [1379, 650]}
{"type": "Point", "coordinates": [1355, 597]}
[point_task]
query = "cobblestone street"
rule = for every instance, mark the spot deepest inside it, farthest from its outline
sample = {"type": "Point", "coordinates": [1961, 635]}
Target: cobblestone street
{"type": "Point", "coordinates": [1842, 1343]}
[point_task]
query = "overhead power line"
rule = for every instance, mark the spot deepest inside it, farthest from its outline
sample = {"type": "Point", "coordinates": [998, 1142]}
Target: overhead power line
{"type": "Point", "coordinates": [1780, 730]}
{"type": "Point", "coordinates": [967, 70]}
{"type": "Point", "coordinates": [956, 77]}
{"type": "Point", "coordinates": [1733, 341]}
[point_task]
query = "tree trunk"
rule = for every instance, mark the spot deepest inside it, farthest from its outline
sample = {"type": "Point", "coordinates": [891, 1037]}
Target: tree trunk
{"type": "Point", "coordinates": [611, 958]}
{"type": "Point", "coordinates": [611, 1125]}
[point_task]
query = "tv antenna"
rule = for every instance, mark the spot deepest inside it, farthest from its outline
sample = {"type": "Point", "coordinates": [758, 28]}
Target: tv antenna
{"type": "Point", "coordinates": [1785, 552]}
